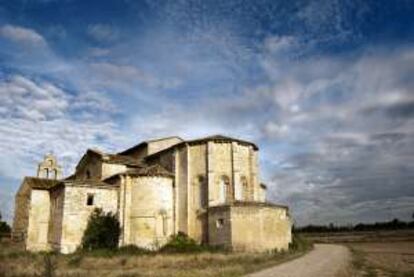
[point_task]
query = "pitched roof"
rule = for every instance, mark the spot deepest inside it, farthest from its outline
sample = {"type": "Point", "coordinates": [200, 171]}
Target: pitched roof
{"type": "Point", "coordinates": [151, 170]}
{"type": "Point", "coordinates": [146, 142]}
{"type": "Point", "coordinates": [218, 138]}
{"type": "Point", "coordinates": [40, 183]}
{"type": "Point", "coordinates": [222, 138]}
{"type": "Point", "coordinates": [113, 158]}
{"type": "Point", "coordinates": [92, 183]}
{"type": "Point", "coordinates": [119, 159]}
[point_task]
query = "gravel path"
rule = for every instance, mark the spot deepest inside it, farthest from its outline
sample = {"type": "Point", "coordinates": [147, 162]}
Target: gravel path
{"type": "Point", "coordinates": [325, 260]}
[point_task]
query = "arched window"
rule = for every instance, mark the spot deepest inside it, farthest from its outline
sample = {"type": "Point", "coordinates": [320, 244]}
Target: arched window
{"type": "Point", "coordinates": [46, 173]}
{"type": "Point", "coordinates": [162, 229]}
{"type": "Point", "coordinates": [224, 189]}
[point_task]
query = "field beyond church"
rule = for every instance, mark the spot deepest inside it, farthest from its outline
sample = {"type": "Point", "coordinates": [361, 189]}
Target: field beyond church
{"type": "Point", "coordinates": [375, 253]}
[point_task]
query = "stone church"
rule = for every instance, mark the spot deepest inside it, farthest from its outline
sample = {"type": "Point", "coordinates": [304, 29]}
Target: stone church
{"type": "Point", "coordinates": [207, 188]}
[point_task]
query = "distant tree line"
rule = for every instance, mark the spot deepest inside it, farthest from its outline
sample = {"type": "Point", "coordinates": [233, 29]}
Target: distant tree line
{"type": "Point", "coordinates": [394, 224]}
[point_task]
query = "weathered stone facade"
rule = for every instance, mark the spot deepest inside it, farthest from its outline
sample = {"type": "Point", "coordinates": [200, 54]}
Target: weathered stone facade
{"type": "Point", "coordinates": [207, 188]}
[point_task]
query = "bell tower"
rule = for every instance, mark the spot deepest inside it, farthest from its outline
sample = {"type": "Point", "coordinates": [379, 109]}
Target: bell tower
{"type": "Point", "coordinates": [49, 169]}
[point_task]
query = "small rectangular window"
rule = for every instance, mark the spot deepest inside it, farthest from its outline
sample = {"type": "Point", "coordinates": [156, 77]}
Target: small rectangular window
{"type": "Point", "coordinates": [89, 200]}
{"type": "Point", "coordinates": [220, 223]}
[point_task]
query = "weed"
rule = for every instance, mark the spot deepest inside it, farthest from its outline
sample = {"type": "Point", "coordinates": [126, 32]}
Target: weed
{"type": "Point", "coordinates": [75, 260]}
{"type": "Point", "coordinates": [49, 265]}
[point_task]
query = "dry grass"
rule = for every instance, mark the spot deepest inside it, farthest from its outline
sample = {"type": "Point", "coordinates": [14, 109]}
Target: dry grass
{"type": "Point", "coordinates": [16, 262]}
{"type": "Point", "coordinates": [383, 258]}
{"type": "Point", "coordinates": [365, 236]}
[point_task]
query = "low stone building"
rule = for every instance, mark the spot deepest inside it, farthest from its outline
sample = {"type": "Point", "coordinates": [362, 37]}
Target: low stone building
{"type": "Point", "coordinates": [207, 188]}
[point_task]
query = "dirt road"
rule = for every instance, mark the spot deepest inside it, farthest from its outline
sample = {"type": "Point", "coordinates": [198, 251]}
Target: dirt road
{"type": "Point", "coordinates": [326, 260]}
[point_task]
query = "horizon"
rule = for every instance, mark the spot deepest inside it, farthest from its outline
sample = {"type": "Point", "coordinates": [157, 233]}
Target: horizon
{"type": "Point", "coordinates": [324, 88]}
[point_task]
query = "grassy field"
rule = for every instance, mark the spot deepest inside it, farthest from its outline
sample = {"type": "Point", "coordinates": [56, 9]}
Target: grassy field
{"type": "Point", "coordinates": [383, 258]}
{"type": "Point", "coordinates": [16, 262]}
{"type": "Point", "coordinates": [375, 253]}
{"type": "Point", "coordinates": [365, 236]}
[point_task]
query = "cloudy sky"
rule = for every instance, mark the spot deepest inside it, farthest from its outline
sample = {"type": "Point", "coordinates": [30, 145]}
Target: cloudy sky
{"type": "Point", "coordinates": [324, 87]}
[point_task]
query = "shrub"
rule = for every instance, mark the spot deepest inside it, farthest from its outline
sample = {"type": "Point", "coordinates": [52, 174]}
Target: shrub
{"type": "Point", "coordinates": [132, 250]}
{"type": "Point", "coordinates": [75, 260]}
{"type": "Point", "coordinates": [4, 227]}
{"type": "Point", "coordinates": [299, 243]}
{"type": "Point", "coordinates": [102, 231]}
{"type": "Point", "coordinates": [181, 243]}
{"type": "Point", "coordinates": [49, 265]}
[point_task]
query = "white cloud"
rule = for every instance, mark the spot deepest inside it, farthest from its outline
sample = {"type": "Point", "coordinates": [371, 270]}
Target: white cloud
{"type": "Point", "coordinates": [22, 35]}
{"type": "Point", "coordinates": [127, 76]}
{"type": "Point", "coordinates": [274, 130]}
{"type": "Point", "coordinates": [102, 32]}
{"type": "Point", "coordinates": [22, 98]}
{"type": "Point", "coordinates": [37, 116]}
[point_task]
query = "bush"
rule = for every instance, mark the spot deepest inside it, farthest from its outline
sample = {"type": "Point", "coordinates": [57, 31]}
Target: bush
{"type": "Point", "coordinates": [4, 227]}
{"type": "Point", "coordinates": [132, 250]}
{"type": "Point", "coordinates": [299, 243]}
{"type": "Point", "coordinates": [181, 243]}
{"type": "Point", "coordinates": [49, 265]}
{"type": "Point", "coordinates": [102, 231]}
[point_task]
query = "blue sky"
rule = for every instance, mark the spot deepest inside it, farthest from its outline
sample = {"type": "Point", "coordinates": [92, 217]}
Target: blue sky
{"type": "Point", "coordinates": [324, 88]}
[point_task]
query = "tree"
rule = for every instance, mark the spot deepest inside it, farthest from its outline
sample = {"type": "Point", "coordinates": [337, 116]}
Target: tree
{"type": "Point", "coordinates": [102, 231]}
{"type": "Point", "coordinates": [4, 227]}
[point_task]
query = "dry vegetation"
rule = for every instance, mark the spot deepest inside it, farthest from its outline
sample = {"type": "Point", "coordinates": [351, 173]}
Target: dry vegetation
{"type": "Point", "coordinates": [375, 253]}
{"type": "Point", "coordinates": [361, 236]}
{"type": "Point", "coordinates": [383, 258]}
{"type": "Point", "coordinates": [16, 262]}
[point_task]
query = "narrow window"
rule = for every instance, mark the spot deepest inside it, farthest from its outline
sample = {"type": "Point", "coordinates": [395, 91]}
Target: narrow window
{"type": "Point", "coordinates": [220, 223]}
{"type": "Point", "coordinates": [88, 174]}
{"type": "Point", "coordinates": [245, 188]}
{"type": "Point", "coordinates": [224, 189]}
{"type": "Point", "coordinates": [89, 200]}
{"type": "Point", "coordinates": [164, 225]}
{"type": "Point", "coordinates": [203, 192]}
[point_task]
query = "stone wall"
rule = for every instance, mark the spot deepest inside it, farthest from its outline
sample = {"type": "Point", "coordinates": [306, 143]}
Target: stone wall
{"type": "Point", "coordinates": [91, 164]}
{"type": "Point", "coordinates": [219, 226]}
{"type": "Point", "coordinates": [260, 228]}
{"type": "Point", "coordinates": [219, 170]}
{"type": "Point", "coordinates": [197, 192]}
{"type": "Point", "coordinates": [161, 144]}
{"type": "Point", "coordinates": [181, 189]}
{"type": "Point", "coordinates": [38, 226]}
{"type": "Point", "coordinates": [165, 159]}
{"type": "Point", "coordinates": [76, 211]}
{"type": "Point", "coordinates": [112, 169]}
{"type": "Point", "coordinates": [149, 220]}
{"type": "Point", "coordinates": [57, 198]}
{"type": "Point", "coordinates": [253, 227]}
{"type": "Point", "coordinates": [21, 213]}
